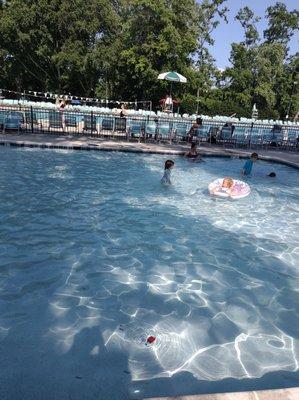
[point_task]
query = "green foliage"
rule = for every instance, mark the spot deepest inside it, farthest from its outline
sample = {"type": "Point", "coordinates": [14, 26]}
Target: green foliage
{"type": "Point", "coordinates": [52, 43]}
{"type": "Point", "coordinates": [282, 24]}
{"type": "Point", "coordinates": [248, 20]}
{"type": "Point", "coordinates": [156, 37]}
{"type": "Point", "coordinates": [117, 48]}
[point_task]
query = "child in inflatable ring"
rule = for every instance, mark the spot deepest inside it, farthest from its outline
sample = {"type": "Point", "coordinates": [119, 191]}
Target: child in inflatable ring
{"type": "Point", "coordinates": [227, 186]}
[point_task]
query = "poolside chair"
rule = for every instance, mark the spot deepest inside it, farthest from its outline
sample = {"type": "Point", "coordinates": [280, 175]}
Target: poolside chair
{"type": "Point", "coordinates": [279, 139]}
{"type": "Point", "coordinates": [17, 114]}
{"type": "Point", "coordinates": [256, 141]}
{"type": "Point", "coordinates": [107, 126]}
{"type": "Point", "coordinates": [164, 131]}
{"type": "Point", "coordinates": [3, 115]}
{"type": "Point", "coordinates": [242, 140]}
{"type": "Point", "coordinates": [293, 139]}
{"type": "Point", "coordinates": [267, 138]}
{"type": "Point", "coordinates": [120, 124]}
{"type": "Point", "coordinates": [135, 129]}
{"type": "Point", "coordinates": [120, 127]}
{"type": "Point", "coordinates": [70, 121]}
{"type": "Point", "coordinates": [31, 118]}
{"type": "Point", "coordinates": [225, 133]}
{"type": "Point", "coordinates": [151, 130]}
{"type": "Point", "coordinates": [89, 124]}
{"type": "Point", "coordinates": [212, 134]}
{"type": "Point", "coordinates": [12, 123]}
{"type": "Point", "coordinates": [55, 120]}
{"type": "Point", "coordinates": [201, 134]}
{"type": "Point", "coordinates": [180, 131]}
{"type": "Point", "coordinates": [226, 138]}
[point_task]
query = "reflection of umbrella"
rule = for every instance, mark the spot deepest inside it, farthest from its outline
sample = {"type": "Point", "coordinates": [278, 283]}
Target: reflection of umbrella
{"type": "Point", "coordinates": [172, 76]}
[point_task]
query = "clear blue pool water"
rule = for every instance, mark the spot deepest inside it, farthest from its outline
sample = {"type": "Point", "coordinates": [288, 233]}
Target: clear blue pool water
{"type": "Point", "coordinates": [96, 256]}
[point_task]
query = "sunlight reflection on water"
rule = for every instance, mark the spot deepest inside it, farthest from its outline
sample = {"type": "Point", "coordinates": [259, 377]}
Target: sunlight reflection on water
{"type": "Point", "coordinates": [100, 240]}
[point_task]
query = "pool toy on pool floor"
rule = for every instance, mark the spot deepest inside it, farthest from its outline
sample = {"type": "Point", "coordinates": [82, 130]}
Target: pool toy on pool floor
{"type": "Point", "coordinates": [150, 340]}
{"type": "Point", "coordinates": [237, 190]}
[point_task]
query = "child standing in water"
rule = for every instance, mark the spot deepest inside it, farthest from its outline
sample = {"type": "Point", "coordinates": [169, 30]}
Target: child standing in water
{"type": "Point", "coordinates": [192, 153]}
{"type": "Point", "coordinates": [247, 168]}
{"type": "Point", "coordinates": [167, 172]}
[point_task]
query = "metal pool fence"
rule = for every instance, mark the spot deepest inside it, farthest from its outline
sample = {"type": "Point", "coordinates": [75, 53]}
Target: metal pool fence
{"type": "Point", "coordinates": [145, 128]}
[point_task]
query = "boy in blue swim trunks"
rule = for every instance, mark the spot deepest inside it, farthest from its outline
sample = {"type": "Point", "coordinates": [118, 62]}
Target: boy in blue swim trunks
{"type": "Point", "coordinates": [247, 168]}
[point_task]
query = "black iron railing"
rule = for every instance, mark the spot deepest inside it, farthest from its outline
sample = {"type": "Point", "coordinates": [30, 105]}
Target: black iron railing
{"type": "Point", "coordinates": [35, 120]}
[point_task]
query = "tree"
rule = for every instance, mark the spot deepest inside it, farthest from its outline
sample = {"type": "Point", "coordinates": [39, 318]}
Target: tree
{"type": "Point", "coordinates": [51, 43]}
{"type": "Point", "coordinates": [209, 15]}
{"type": "Point", "coordinates": [248, 20]}
{"type": "Point", "coordinates": [156, 37]}
{"type": "Point", "coordinates": [286, 88]}
{"type": "Point", "coordinates": [282, 24]}
{"type": "Point", "coordinates": [242, 75]}
{"type": "Point", "coordinates": [269, 70]}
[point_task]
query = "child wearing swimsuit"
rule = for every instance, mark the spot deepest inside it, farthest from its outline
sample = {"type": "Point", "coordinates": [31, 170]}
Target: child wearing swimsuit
{"type": "Point", "coordinates": [167, 172]}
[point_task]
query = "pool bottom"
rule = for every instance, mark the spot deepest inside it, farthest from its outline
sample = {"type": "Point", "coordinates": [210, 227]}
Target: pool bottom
{"type": "Point", "coordinates": [93, 242]}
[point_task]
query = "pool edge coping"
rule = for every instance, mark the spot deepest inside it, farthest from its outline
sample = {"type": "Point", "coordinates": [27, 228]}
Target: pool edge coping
{"type": "Point", "coordinates": [208, 152]}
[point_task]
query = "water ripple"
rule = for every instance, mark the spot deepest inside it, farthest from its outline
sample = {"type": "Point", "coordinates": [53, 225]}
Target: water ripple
{"type": "Point", "coordinates": [92, 240]}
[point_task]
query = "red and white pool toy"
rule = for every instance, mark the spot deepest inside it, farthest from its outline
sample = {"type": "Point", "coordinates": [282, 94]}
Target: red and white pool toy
{"type": "Point", "coordinates": [239, 189]}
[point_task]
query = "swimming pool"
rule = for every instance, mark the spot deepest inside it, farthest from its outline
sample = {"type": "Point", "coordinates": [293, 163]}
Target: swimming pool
{"type": "Point", "coordinates": [96, 256]}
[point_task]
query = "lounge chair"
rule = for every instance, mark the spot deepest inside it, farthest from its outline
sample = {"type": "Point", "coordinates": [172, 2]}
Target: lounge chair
{"type": "Point", "coordinates": [293, 139]}
{"type": "Point", "coordinates": [89, 124]}
{"type": "Point", "coordinates": [201, 134]}
{"type": "Point", "coordinates": [70, 121]}
{"type": "Point", "coordinates": [12, 123]}
{"type": "Point", "coordinates": [164, 131]}
{"type": "Point", "coordinates": [120, 127]}
{"type": "Point", "coordinates": [135, 129]}
{"type": "Point", "coordinates": [3, 115]}
{"type": "Point", "coordinates": [55, 120]}
{"type": "Point", "coordinates": [180, 132]}
{"type": "Point", "coordinates": [107, 126]}
{"type": "Point", "coordinates": [242, 140]}
{"type": "Point", "coordinates": [151, 130]}
{"type": "Point", "coordinates": [226, 138]}
{"type": "Point", "coordinates": [32, 121]}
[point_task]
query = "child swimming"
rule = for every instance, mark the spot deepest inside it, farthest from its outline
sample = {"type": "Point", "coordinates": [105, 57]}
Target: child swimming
{"type": "Point", "coordinates": [167, 172]}
{"type": "Point", "coordinates": [247, 168]}
{"type": "Point", "coordinates": [272, 174]}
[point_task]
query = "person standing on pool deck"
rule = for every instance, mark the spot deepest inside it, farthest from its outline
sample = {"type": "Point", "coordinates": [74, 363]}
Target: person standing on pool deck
{"type": "Point", "coordinates": [247, 168]}
{"type": "Point", "coordinates": [167, 172]}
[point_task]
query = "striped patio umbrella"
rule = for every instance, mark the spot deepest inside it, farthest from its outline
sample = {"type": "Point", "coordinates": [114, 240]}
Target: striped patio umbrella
{"type": "Point", "coordinates": [172, 76]}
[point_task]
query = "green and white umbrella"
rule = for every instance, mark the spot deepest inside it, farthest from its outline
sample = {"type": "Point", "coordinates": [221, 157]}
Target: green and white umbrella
{"type": "Point", "coordinates": [172, 76]}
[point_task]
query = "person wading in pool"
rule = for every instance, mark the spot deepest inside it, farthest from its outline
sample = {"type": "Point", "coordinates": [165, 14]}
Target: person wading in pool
{"type": "Point", "coordinates": [247, 168]}
{"type": "Point", "coordinates": [169, 164]}
{"type": "Point", "coordinates": [194, 129]}
{"type": "Point", "coordinates": [192, 153]}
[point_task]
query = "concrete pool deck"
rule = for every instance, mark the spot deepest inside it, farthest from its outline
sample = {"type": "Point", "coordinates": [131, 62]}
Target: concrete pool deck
{"type": "Point", "coordinates": [281, 394]}
{"type": "Point", "coordinates": [290, 158]}
{"type": "Point", "coordinates": [91, 143]}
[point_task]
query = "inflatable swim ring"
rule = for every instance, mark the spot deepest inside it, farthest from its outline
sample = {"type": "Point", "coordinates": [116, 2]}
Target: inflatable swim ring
{"type": "Point", "coordinates": [240, 189]}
